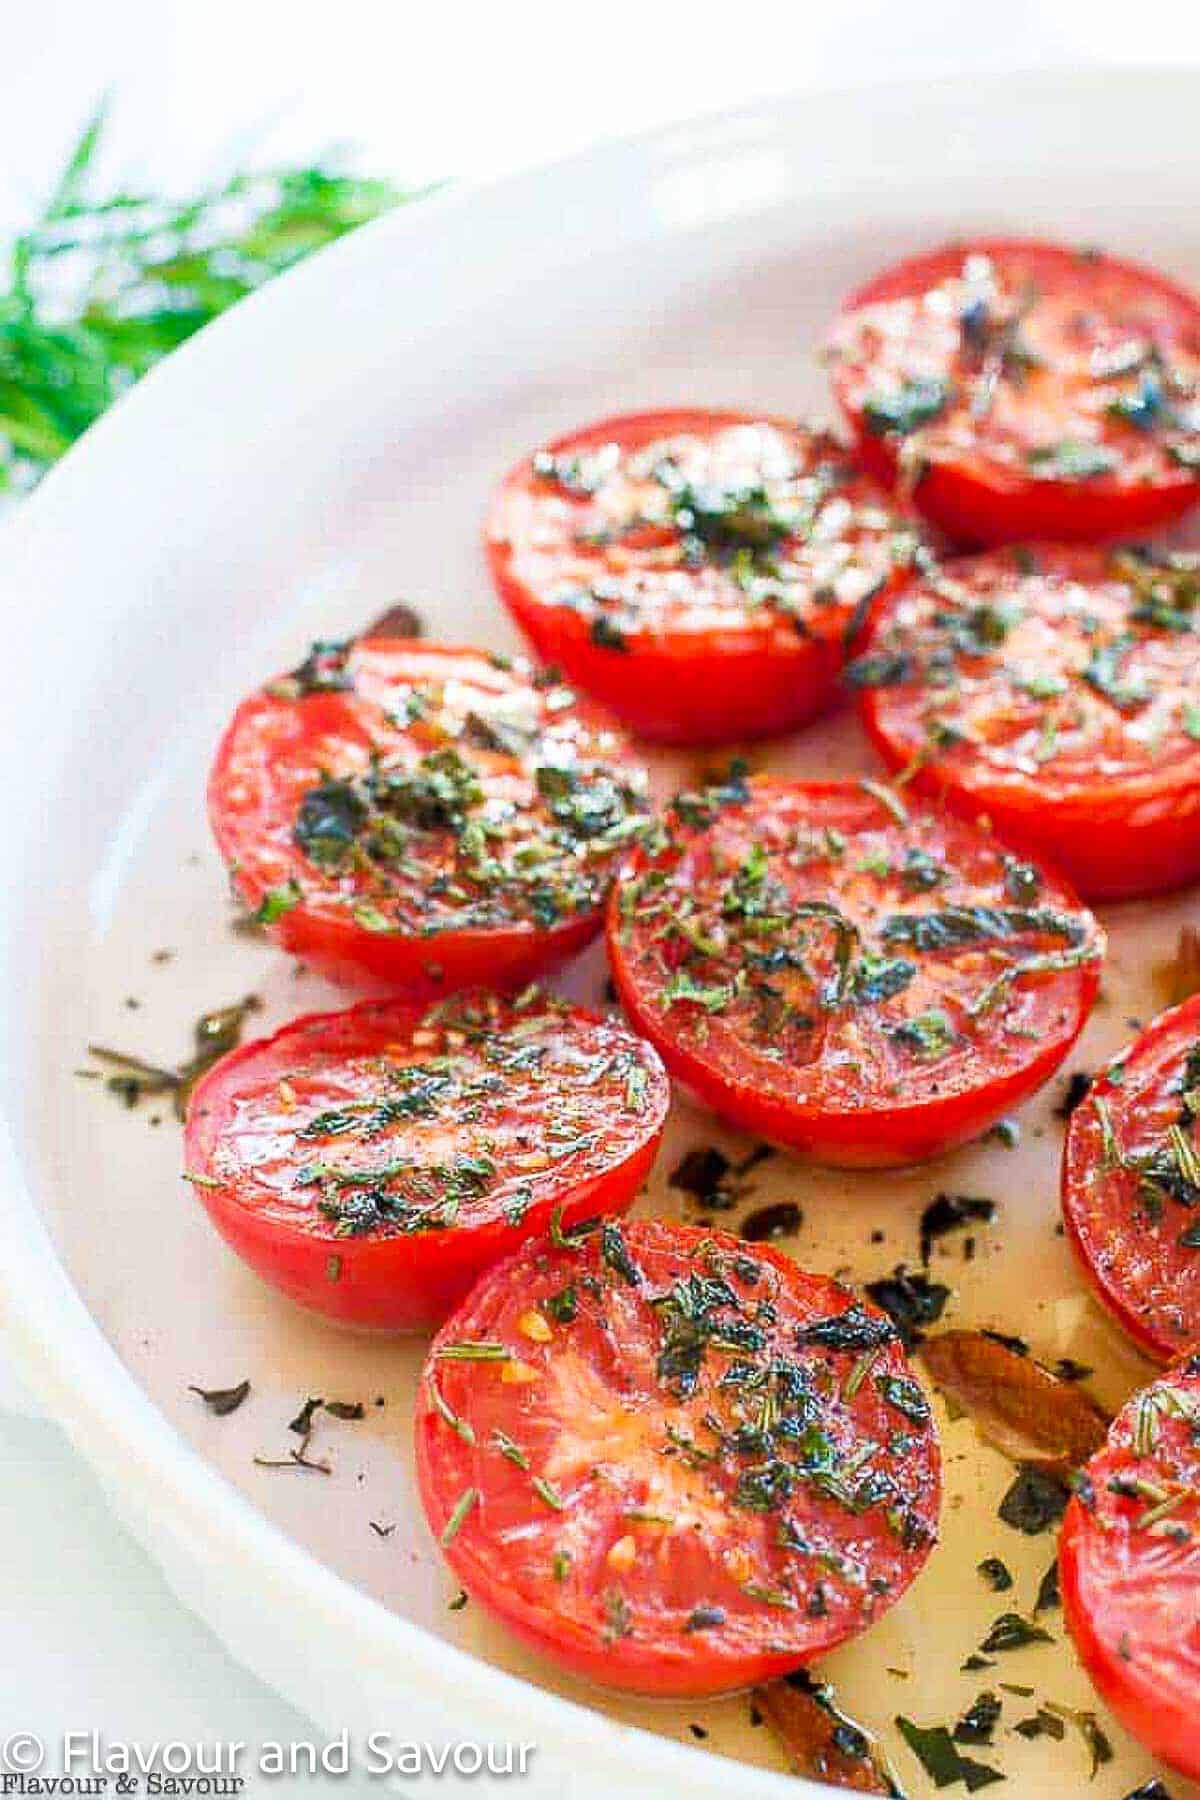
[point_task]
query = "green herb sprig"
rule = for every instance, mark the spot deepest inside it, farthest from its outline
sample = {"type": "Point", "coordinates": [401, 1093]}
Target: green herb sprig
{"type": "Point", "coordinates": [103, 285]}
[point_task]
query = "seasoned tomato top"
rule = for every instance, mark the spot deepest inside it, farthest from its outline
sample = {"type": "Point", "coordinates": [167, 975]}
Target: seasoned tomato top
{"type": "Point", "coordinates": [417, 790]}
{"type": "Point", "coordinates": [1041, 363]}
{"type": "Point", "coordinates": [1051, 668]}
{"type": "Point", "coordinates": [393, 1118]}
{"type": "Point", "coordinates": [820, 941]}
{"type": "Point", "coordinates": [699, 522]}
{"type": "Point", "coordinates": [1131, 1182]}
{"type": "Point", "coordinates": [1130, 1562]}
{"type": "Point", "coordinates": [680, 1448]}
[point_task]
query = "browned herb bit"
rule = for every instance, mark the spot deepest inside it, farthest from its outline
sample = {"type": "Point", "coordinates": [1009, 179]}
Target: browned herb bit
{"type": "Point", "coordinates": [1075, 1091]}
{"type": "Point", "coordinates": [222, 1400]}
{"type": "Point", "coordinates": [820, 1741]}
{"type": "Point", "coordinates": [947, 1212]}
{"type": "Point", "coordinates": [1018, 1406]}
{"type": "Point", "coordinates": [1035, 1500]}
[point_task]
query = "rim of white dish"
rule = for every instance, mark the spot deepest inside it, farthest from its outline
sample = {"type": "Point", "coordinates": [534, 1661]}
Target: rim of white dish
{"type": "Point", "coordinates": [57, 1343]}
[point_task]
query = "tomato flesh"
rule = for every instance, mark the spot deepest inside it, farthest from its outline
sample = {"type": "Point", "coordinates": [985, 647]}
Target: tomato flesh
{"type": "Point", "coordinates": [1024, 390]}
{"type": "Point", "coordinates": [1055, 690]}
{"type": "Point", "coordinates": [697, 572]}
{"type": "Point", "coordinates": [1131, 1184]}
{"type": "Point", "coordinates": [861, 987]}
{"type": "Point", "coordinates": [1129, 1568]}
{"type": "Point", "coordinates": [425, 817]}
{"type": "Point", "coordinates": [674, 1465]}
{"type": "Point", "coordinates": [371, 1163]}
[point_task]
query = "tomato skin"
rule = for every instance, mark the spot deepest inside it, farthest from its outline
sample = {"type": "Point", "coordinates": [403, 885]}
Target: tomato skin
{"type": "Point", "coordinates": [272, 753]}
{"type": "Point", "coordinates": [1123, 830]}
{"type": "Point", "coordinates": [974, 497]}
{"type": "Point", "coordinates": [1131, 1600]}
{"type": "Point", "coordinates": [1132, 1260]}
{"type": "Point", "coordinates": [408, 1281]}
{"type": "Point", "coordinates": [711, 672]}
{"type": "Point", "coordinates": [589, 1400]}
{"type": "Point", "coordinates": [843, 1128]}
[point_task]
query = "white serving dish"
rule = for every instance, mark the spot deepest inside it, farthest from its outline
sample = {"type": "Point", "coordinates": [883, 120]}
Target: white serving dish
{"type": "Point", "coordinates": [320, 452]}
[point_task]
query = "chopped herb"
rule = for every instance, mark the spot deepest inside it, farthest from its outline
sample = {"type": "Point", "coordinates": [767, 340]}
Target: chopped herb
{"type": "Point", "coordinates": [783, 1219]}
{"type": "Point", "coordinates": [1076, 1090]}
{"type": "Point", "coordinates": [222, 1400]}
{"type": "Point", "coordinates": [941, 1758]}
{"type": "Point", "coordinates": [1048, 1596]}
{"type": "Point", "coordinates": [928, 1034]}
{"type": "Point", "coordinates": [979, 1721]}
{"type": "Point", "coordinates": [1012, 1632]}
{"type": "Point", "coordinates": [910, 1300]}
{"type": "Point", "coordinates": [615, 1255]}
{"type": "Point", "coordinates": [996, 1574]}
{"type": "Point", "coordinates": [1035, 1500]}
{"type": "Point", "coordinates": [949, 1212]}
{"type": "Point", "coordinates": [277, 901]}
{"type": "Point", "coordinates": [1071, 460]}
{"type": "Point", "coordinates": [455, 1522]}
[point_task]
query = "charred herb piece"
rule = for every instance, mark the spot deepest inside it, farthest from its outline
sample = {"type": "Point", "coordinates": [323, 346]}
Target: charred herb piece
{"type": "Point", "coordinates": [222, 1400]}
{"type": "Point", "coordinates": [399, 621]}
{"type": "Point", "coordinates": [949, 1212]}
{"type": "Point", "coordinates": [911, 1301]}
{"type": "Point", "coordinates": [1035, 1501]}
{"type": "Point", "coordinates": [996, 1574]}
{"type": "Point", "coordinates": [979, 1721]}
{"type": "Point", "coordinates": [783, 1219]}
{"type": "Point", "coordinates": [1011, 1632]}
{"type": "Point", "coordinates": [1074, 1093]}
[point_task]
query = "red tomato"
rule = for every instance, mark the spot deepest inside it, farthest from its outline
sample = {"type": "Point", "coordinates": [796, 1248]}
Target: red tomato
{"type": "Point", "coordinates": [372, 1163]}
{"type": "Point", "coordinates": [423, 816]}
{"type": "Point", "coordinates": [1055, 691]}
{"type": "Point", "coordinates": [673, 1464]}
{"type": "Point", "coordinates": [1131, 1184]}
{"type": "Point", "coordinates": [864, 987]}
{"type": "Point", "coordinates": [1025, 390]}
{"type": "Point", "coordinates": [698, 572]}
{"type": "Point", "coordinates": [1129, 1568]}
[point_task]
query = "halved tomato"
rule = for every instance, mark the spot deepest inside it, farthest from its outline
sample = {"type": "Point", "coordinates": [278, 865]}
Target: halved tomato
{"type": "Point", "coordinates": [1129, 1567]}
{"type": "Point", "coordinates": [1055, 691]}
{"type": "Point", "coordinates": [1131, 1184]}
{"type": "Point", "coordinates": [698, 572]}
{"type": "Point", "coordinates": [674, 1464]}
{"type": "Point", "coordinates": [858, 981]}
{"type": "Point", "coordinates": [372, 1163]}
{"type": "Point", "coordinates": [1025, 390]}
{"type": "Point", "coordinates": [429, 817]}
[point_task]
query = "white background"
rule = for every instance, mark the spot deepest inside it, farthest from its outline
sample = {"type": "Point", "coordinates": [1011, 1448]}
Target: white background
{"type": "Point", "coordinates": [89, 1634]}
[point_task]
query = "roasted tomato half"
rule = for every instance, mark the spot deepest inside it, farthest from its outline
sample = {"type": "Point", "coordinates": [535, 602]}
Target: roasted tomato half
{"type": "Point", "coordinates": [429, 817]}
{"type": "Point", "coordinates": [1129, 1568]}
{"type": "Point", "coordinates": [1056, 691]}
{"type": "Point", "coordinates": [1131, 1184]}
{"type": "Point", "coordinates": [372, 1163]}
{"type": "Point", "coordinates": [1023, 390]}
{"type": "Point", "coordinates": [858, 981]}
{"type": "Point", "coordinates": [700, 573]}
{"type": "Point", "coordinates": [674, 1464]}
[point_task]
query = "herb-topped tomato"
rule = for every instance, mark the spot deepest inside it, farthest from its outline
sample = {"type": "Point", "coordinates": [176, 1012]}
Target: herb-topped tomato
{"type": "Point", "coordinates": [673, 1464]}
{"type": "Point", "coordinates": [423, 815]}
{"type": "Point", "coordinates": [698, 572]}
{"type": "Point", "coordinates": [1025, 390]}
{"type": "Point", "coordinates": [1057, 691]}
{"type": "Point", "coordinates": [1129, 1567]}
{"type": "Point", "coordinates": [849, 979]}
{"type": "Point", "coordinates": [372, 1163]}
{"type": "Point", "coordinates": [1131, 1184]}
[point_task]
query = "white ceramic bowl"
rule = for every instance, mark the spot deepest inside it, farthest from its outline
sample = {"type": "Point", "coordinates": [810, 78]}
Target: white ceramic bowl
{"type": "Point", "coordinates": [319, 452]}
